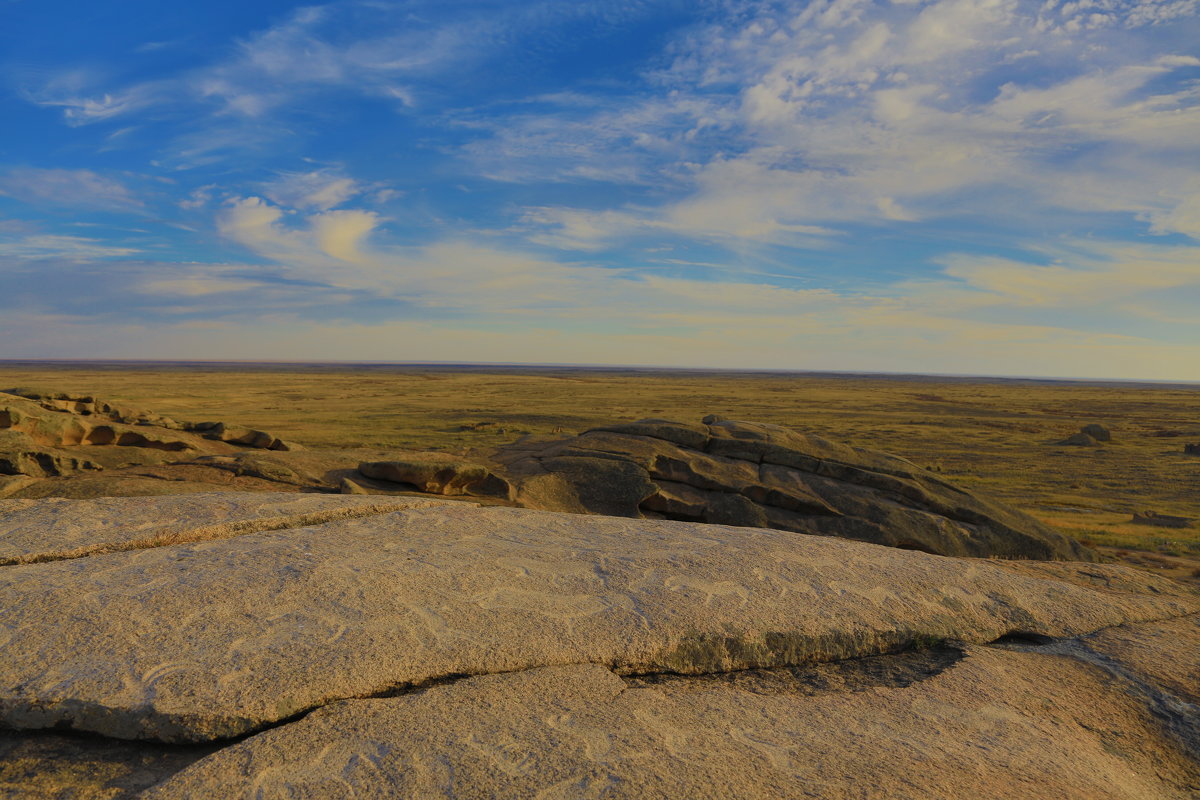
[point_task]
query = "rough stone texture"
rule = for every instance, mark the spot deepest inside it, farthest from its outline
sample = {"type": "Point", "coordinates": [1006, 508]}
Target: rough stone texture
{"type": "Point", "coordinates": [447, 650]}
{"type": "Point", "coordinates": [45, 436]}
{"type": "Point", "coordinates": [37, 441]}
{"type": "Point", "coordinates": [746, 474]}
{"type": "Point", "coordinates": [1166, 653]}
{"type": "Point", "coordinates": [88, 406]}
{"type": "Point", "coordinates": [57, 436]}
{"type": "Point", "coordinates": [218, 638]}
{"type": "Point", "coordinates": [221, 432]}
{"type": "Point", "coordinates": [438, 473]}
{"type": "Point", "coordinates": [60, 445]}
{"type": "Point", "coordinates": [1097, 432]}
{"type": "Point", "coordinates": [719, 471]}
{"type": "Point", "coordinates": [47, 530]}
{"type": "Point", "coordinates": [997, 724]}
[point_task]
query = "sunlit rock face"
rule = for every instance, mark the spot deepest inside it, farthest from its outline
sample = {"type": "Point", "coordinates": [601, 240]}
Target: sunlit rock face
{"type": "Point", "coordinates": [717, 471]}
{"type": "Point", "coordinates": [754, 475]}
{"type": "Point", "coordinates": [330, 646]}
{"type": "Point", "coordinates": [55, 444]}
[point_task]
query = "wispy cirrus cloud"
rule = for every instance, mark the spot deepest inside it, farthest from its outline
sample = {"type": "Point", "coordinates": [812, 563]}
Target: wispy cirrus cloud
{"type": "Point", "coordinates": [68, 248]}
{"type": "Point", "coordinates": [958, 185]}
{"type": "Point", "coordinates": [69, 187]}
{"type": "Point", "coordinates": [848, 112]}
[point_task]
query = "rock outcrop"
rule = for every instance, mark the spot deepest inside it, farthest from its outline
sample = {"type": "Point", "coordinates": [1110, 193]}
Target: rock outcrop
{"type": "Point", "coordinates": [1160, 520]}
{"type": "Point", "coordinates": [69, 444]}
{"type": "Point", "coordinates": [439, 649]}
{"type": "Point", "coordinates": [721, 472]}
{"type": "Point", "coordinates": [41, 441]}
{"type": "Point", "coordinates": [438, 473]}
{"type": "Point", "coordinates": [81, 420]}
{"type": "Point", "coordinates": [746, 474]}
{"type": "Point", "coordinates": [1091, 435]}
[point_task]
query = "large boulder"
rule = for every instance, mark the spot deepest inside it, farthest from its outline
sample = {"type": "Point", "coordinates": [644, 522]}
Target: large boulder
{"type": "Point", "coordinates": [447, 650]}
{"type": "Point", "coordinates": [754, 475]}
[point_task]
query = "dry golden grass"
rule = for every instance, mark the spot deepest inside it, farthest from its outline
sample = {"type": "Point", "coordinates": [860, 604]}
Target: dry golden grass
{"type": "Point", "coordinates": [994, 436]}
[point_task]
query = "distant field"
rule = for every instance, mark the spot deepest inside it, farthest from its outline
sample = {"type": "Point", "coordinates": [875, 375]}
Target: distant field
{"type": "Point", "coordinates": [991, 435]}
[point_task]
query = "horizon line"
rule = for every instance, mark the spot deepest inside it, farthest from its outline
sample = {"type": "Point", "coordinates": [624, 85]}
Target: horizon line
{"type": "Point", "coordinates": [586, 366]}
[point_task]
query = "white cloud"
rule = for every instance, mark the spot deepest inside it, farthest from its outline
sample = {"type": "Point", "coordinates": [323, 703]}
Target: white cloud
{"type": "Point", "coordinates": [197, 286]}
{"type": "Point", "coordinates": [70, 248]}
{"type": "Point", "coordinates": [71, 187]}
{"type": "Point", "coordinates": [321, 189]}
{"type": "Point", "coordinates": [1088, 275]}
{"type": "Point", "coordinates": [858, 112]}
{"type": "Point", "coordinates": [842, 338]}
{"type": "Point", "coordinates": [1183, 217]}
{"type": "Point", "coordinates": [73, 91]}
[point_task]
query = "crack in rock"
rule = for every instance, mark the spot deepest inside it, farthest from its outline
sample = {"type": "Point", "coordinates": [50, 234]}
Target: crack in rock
{"type": "Point", "coordinates": [204, 533]}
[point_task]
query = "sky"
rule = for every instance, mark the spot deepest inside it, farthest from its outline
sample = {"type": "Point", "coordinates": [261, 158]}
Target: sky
{"type": "Point", "coordinates": [987, 187]}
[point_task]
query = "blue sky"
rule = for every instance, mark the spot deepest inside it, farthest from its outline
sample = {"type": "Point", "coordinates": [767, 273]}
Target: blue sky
{"type": "Point", "coordinates": [941, 186]}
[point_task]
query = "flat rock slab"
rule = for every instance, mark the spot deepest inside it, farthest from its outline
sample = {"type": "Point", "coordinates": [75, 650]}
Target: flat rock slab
{"type": "Point", "coordinates": [214, 639]}
{"type": "Point", "coordinates": [46, 530]}
{"type": "Point", "coordinates": [996, 724]}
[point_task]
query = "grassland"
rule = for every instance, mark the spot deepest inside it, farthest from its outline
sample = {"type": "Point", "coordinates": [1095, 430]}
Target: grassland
{"type": "Point", "coordinates": [994, 436]}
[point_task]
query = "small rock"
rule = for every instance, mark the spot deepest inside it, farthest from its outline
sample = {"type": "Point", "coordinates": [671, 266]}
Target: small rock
{"type": "Point", "coordinates": [348, 486]}
{"type": "Point", "coordinates": [1160, 520]}
{"type": "Point", "coordinates": [1081, 439]}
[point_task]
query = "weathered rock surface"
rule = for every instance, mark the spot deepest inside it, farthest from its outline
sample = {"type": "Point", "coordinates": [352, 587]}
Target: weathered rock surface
{"type": "Point", "coordinates": [48, 530]}
{"type": "Point", "coordinates": [79, 446]}
{"type": "Point", "coordinates": [88, 406]}
{"type": "Point", "coordinates": [448, 650]}
{"type": "Point", "coordinates": [438, 473]}
{"type": "Point", "coordinates": [48, 435]}
{"type": "Point", "coordinates": [36, 441]}
{"type": "Point", "coordinates": [746, 474]}
{"type": "Point", "coordinates": [218, 638]}
{"type": "Point", "coordinates": [719, 471]}
{"type": "Point", "coordinates": [995, 724]}
{"type": "Point", "coordinates": [1097, 432]}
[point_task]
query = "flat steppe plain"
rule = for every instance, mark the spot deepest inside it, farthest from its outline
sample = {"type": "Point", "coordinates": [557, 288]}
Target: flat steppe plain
{"type": "Point", "coordinates": [997, 436]}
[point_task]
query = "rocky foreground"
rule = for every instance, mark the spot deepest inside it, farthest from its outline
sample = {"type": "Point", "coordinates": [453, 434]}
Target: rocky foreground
{"type": "Point", "coordinates": [320, 646]}
{"type": "Point", "coordinates": [717, 471]}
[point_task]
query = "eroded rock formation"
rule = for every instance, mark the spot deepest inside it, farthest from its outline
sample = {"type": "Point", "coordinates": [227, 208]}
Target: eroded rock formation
{"type": "Point", "coordinates": [718, 471]}
{"type": "Point", "coordinates": [438, 473]}
{"type": "Point", "coordinates": [387, 648]}
{"type": "Point", "coordinates": [59, 436]}
{"type": "Point", "coordinates": [747, 474]}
